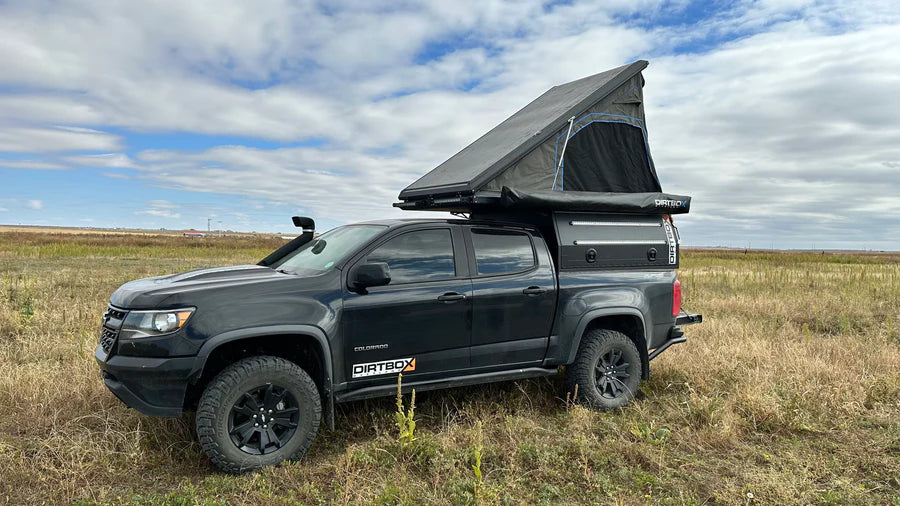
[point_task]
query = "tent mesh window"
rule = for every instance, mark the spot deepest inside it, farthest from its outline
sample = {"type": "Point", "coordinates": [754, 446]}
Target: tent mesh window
{"type": "Point", "coordinates": [607, 157]}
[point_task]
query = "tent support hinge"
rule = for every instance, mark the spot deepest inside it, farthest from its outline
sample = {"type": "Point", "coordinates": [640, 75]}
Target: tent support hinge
{"type": "Point", "coordinates": [563, 153]}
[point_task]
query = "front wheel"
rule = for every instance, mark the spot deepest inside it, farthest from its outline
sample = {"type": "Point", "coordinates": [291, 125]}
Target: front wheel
{"type": "Point", "coordinates": [257, 412]}
{"type": "Point", "coordinates": [607, 370]}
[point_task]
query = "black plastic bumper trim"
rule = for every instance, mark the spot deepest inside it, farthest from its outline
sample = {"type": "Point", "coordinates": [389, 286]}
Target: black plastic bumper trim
{"type": "Point", "coordinates": [153, 386]}
{"type": "Point", "coordinates": [131, 400]}
{"type": "Point", "coordinates": [688, 319]}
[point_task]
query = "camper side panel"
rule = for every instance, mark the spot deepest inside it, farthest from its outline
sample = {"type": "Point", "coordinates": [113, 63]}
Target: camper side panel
{"type": "Point", "coordinates": [590, 241]}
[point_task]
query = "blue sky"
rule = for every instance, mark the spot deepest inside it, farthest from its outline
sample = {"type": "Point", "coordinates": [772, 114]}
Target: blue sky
{"type": "Point", "coordinates": [779, 117]}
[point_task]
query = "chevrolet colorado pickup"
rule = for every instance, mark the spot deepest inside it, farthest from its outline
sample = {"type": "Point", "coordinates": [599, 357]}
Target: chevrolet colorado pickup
{"type": "Point", "coordinates": [259, 352]}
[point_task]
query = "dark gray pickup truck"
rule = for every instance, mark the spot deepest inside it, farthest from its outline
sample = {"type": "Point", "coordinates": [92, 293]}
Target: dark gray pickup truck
{"type": "Point", "coordinates": [524, 282]}
{"type": "Point", "coordinates": [258, 350]}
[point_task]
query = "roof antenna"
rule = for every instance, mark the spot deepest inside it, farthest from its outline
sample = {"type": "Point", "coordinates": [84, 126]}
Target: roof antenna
{"type": "Point", "coordinates": [559, 165]}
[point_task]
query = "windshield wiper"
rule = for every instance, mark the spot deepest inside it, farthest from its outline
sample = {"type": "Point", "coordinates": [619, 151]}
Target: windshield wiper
{"type": "Point", "coordinates": [285, 271]}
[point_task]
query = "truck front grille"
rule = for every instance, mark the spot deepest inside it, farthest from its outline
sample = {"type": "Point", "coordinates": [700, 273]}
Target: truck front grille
{"type": "Point", "coordinates": [118, 314]}
{"type": "Point", "coordinates": [112, 322]}
{"type": "Point", "coordinates": [108, 339]}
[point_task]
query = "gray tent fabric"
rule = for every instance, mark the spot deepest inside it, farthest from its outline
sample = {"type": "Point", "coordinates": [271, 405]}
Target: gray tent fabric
{"type": "Point", "coordinates": [589, 135]}
{"type": "Point", "coordinates": [598, 136]}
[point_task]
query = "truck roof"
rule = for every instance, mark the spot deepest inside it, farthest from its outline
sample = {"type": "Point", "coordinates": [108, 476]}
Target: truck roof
{"type": "Point", "coordinates": [400, 222]}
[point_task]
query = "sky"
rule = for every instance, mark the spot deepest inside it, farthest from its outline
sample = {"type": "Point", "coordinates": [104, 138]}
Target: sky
{"type": "Point", "coordinates": [781, 118]}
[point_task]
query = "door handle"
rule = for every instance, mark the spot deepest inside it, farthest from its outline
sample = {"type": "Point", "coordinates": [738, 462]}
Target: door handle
{"type": "Point", "coordinates": [451, 297]}
{"type": "Point", "coordinates": [534, 290]}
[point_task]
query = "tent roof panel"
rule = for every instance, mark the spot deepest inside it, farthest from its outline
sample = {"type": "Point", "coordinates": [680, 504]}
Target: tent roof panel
{"type": "Point", "coordinates": [506, 143]}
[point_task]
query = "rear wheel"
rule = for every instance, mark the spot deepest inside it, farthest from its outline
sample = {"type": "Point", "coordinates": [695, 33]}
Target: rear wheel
{"type": "Point", "coordinates": [257, 412]}
{"type": "Point", "coordinates": [607, 370]}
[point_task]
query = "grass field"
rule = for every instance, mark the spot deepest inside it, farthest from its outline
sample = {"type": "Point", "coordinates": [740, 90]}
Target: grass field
{"type": "Point", "coordinates": [788, 393]}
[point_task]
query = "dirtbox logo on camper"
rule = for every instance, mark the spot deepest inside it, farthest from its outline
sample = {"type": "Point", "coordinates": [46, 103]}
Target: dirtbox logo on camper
{"type": "Point", "coordinates": [671, 203]}
{"type": "Point", "coordinates": [394, 366]}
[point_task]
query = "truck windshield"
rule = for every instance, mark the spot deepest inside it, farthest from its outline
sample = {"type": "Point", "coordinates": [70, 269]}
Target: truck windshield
{"type": "Point", "coordinates": [322, 253]}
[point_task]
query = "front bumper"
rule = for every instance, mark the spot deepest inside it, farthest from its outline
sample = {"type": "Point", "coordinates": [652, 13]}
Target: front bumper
{"type": "Point", "coordinates": [153, 386]}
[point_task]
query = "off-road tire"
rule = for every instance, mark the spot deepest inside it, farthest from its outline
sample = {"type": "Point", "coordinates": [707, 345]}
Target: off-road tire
{"type": "Point", "coordinates": [597, 344]}
{"type": "Point", "coordinates": [229, 386]}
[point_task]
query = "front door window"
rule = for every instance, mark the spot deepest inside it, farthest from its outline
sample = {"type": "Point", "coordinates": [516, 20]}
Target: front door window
{"type": "Point", "coordinates": [423, 255]}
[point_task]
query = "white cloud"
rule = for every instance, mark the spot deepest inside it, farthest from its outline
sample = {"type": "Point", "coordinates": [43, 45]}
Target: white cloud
{"type": "Point", "coordinates": [781, 120]}
{"type": "Point", "coordinates": [41, 140]}
{"type": "Point", "coordinates": [795, 150]}
{"type": "Point", "coordinates": [32, 165]}
{"type": "Point", "coordinates": [103, 160]}
{"type": "Point", "coordinates": [35, 204]}
{"type": "Point", "coordinates": [115, 175]}
{"type": "Point", "coordinates": [312, 178]}
{"type": "Point", "coordinates": [161, 209]}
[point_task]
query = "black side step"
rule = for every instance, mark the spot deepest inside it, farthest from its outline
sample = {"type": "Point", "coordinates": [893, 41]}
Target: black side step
{"type": "Point", "coordinates": [459, 381]}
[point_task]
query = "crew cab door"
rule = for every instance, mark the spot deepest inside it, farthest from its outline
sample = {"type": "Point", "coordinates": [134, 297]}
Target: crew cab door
{"type": "Point", "coordinates": [514, 291]}
{"type": "Point", "coordinates": [418, 324]}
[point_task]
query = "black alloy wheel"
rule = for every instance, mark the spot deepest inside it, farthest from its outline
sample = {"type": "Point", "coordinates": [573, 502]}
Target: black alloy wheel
{"type": "Point", "coordinates": [257, 412]}
{"type": "Point", "coordinates": [607, 370]}
{"type": "Point", "coordinates": [611, 374]}
{"type": "Point", "coordinates": [263, 419]}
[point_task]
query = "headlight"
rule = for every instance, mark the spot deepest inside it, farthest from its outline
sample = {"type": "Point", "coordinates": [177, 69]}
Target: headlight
{"type": "Point", "coordinates": [154, 323]}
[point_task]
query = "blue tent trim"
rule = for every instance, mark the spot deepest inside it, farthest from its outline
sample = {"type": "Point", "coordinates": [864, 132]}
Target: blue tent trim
{"type": "Point", "coordinates": [562, 164]}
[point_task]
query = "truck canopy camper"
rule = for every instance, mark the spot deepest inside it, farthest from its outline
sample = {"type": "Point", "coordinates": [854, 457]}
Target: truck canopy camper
{"type": "Point", "coordinates": [575, 162]}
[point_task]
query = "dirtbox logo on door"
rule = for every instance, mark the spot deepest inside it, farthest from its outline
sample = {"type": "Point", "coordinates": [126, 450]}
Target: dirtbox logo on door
{"type": "Point", "coordinates": [394, 366]}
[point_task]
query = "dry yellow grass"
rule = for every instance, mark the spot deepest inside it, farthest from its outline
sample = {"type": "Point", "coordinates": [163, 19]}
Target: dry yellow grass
{"type": "Point", "coordinates": [788, 393]}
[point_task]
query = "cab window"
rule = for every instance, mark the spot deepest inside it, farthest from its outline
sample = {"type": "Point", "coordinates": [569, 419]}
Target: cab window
{"type": "Point", "coordinates": [502, 251]}
{"type": "Point", "coordinates": [422, 255]}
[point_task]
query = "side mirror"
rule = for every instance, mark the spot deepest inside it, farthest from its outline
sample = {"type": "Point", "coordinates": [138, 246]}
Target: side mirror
{"type": "Point", "coordinates": [368, 275]}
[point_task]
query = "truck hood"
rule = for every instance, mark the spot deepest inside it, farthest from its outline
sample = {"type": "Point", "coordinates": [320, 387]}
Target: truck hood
{"type": "Point", "coordinates": [160, 291]}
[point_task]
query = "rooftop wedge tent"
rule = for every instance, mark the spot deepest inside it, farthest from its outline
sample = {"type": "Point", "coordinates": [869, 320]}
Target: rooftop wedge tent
{"type": "Point", "coordinates": [579, 146]}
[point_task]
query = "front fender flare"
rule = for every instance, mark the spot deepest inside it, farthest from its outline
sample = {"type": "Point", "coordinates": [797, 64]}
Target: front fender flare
{"type": "Point", "coordinates": [274, 330]}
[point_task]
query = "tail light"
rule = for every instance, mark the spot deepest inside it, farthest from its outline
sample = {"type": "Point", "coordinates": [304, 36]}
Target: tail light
{"type": "Point", "coordinates": [676, 298]}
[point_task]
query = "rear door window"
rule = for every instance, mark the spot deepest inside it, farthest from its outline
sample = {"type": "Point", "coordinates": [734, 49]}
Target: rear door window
{"type": "Point", "coordinates": [502, 251]}
{"type": "Point", "coordinates": [422, 255]}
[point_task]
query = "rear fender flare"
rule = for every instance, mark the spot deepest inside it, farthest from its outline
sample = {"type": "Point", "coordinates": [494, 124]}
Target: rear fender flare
{"type": "Point", "coordinates": [592, 315]}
